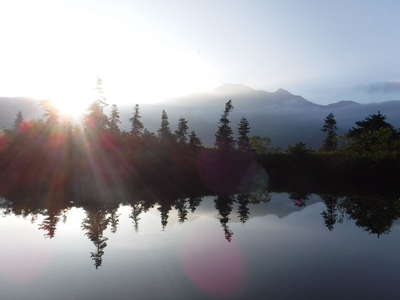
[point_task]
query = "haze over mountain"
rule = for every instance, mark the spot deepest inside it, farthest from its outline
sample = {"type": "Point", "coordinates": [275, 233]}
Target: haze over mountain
{"type": "Point", "coordinates": [284, 117]}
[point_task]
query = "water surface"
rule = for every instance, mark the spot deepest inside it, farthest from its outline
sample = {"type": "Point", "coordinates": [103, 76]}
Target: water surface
{"type": "Point", "coordinates": [273, 246]}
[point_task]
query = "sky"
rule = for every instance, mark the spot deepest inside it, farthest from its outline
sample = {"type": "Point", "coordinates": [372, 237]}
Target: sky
{"type": "Point", "coordinates": [148, 51]}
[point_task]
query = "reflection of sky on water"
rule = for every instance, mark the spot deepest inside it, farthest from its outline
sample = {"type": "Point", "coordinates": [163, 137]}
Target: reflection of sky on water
{"type": "Point", "coordinates": [281, 252]}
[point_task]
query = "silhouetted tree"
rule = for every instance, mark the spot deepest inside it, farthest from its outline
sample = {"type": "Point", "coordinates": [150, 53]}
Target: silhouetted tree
{"type": "Point", "coordinates": [181, 132]}
{"type": "Point", "coordinates": [224, 140]}
{"type": "Point", "coordinates": [243, 139]}
{"type": "Point", "coordinates": [164, 133]}
{"type": "Point", "coordinates": [96, 118]}
{"type": "Point", "coordinates": [330, 128]}
{"type": "Point", "coordinates": [136, 124]}
{"type": "Point", "coordinates": [373, 137]}
{"type": "Point", "coordinates": [114, 119]}
{"type": "Point", "coordinates": [18, 120]}
{"type": "Point", "coordinates": [372, 123]}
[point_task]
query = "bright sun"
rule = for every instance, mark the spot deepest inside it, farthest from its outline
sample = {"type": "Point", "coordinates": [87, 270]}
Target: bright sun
{"type": "Point", "coordinates": [72, 109]}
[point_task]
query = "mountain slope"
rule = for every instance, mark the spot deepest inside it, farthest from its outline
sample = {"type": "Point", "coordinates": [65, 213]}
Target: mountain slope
{"type": "Point", "coordinates": [284, 117]}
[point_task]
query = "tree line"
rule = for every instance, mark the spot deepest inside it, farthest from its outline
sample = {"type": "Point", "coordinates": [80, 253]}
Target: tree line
{"type": "Point", "coordinates": [58, 154]}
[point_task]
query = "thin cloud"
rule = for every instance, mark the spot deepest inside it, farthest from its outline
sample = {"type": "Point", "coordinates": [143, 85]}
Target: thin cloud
{"type": "Point", "coordinates": [386, 87]}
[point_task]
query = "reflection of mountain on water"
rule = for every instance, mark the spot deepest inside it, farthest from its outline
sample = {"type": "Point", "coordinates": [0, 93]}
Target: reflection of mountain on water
{"type": "Point", "coordinates": [375, 213]}
{"type": "Point", "coordinates": [280, 205]}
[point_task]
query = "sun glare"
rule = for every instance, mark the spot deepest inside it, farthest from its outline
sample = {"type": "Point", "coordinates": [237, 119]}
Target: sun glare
{"type": "Point", "coordinates": [72, 109]}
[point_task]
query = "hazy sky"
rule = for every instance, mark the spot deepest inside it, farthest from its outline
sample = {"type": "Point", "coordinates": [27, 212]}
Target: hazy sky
{"type": "Point", "coordinates": [150, 50]}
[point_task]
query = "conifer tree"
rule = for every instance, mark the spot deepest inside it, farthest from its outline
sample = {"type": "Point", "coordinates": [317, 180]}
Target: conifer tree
{"type": "Point", "coordinates": [137, 125]}
{"type": "Point", "coordinates": [51, 113]}
{"type": "Point", "coordinates": [181, 132]}
{"type": "Point", "coordinates": [373, 135]}
{"type": "Point", "coordinates": [329, 127]}
{"type": "Point", "coordinates": [244, 140]}
{"type": "Point", "coordinates": [224, 136]}
{"type": "Point", "coordinates": [96, 118]}
{"type": "Point", "coordinates": [18, 120]}
{"type": "Point", "coordinates": [164, 133]}
{"type": "Point", "coordinates": [114, 119]}
{"type": "Point", "coordinates": [194, 141]}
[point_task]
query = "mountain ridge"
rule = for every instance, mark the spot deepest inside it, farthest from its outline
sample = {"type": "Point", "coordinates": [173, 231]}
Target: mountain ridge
{"type": "Point", "coordinates": [284, 117]}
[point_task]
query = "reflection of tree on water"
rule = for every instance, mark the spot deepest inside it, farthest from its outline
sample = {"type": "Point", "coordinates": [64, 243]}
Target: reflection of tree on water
{"type": "Point", "coordinates": [224, 205]}
{"type": "Point", "coordinates": [137, 209]}
{"type": "Point", "coordinates": [49, 224]}
{"type": "Point", "coordinates": [331, 212]}
{"type": "Point", "coordinates": [245, 199]}
{"type": "Point", "coordinates": [182, 210]}
{"type": "Point", "coordinates": [114, 221]}
{"type": "Point", "coordinates": [374, 213]}
{"type": "Point", "coordinates": [94, 225]}
{"type": "Point", "coordinates": [164, 208]}
{"type": "Point", "coordinates": [194, 202]}
{"type": "Point", "coordinates": [243, 209]}
{"type": "Point", "coordinates": [52, 214]}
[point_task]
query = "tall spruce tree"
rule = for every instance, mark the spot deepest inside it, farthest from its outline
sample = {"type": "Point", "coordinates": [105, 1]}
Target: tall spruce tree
{"type": "Point", "coordinates": [136, 125]}
{"type": "Point", "coordinates": [330, 128]}
{"type": "Point", "coordinates": [114, 119]}
{"type": "Point", "coordinates": [164, 133]}
{"type": "Point", "coordinates": [244, 140]}
{"type": "Point", "coordinates": [96, 119]}
{"type": "Point", "coordinates": [18, 120]}
{"type": "Point", "coordinates": [181, 132]}
{"type": "Point", "coordinates": [224, 140]}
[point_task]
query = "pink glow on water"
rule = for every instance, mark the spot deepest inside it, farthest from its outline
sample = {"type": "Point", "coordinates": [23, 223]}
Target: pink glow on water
{"type": "Point", "coordinates": [214, 265]}
{"type": "Point", "coordinates": [24, 267]}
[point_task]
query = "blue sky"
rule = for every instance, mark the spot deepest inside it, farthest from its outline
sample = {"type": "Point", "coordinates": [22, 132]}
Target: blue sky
{"type": "Point", "coordinates": [324, 50]}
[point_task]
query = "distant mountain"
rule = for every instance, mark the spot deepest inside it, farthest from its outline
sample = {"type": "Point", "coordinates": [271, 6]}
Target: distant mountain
{"type": "Point", "coordinates": [284, 117]}
{"type": "Point", "coordinates": [341, 104]}
{"type": "Point", "coordinates": [9, 107]}
{"type": "Point", "coordinates": [280, 205]}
